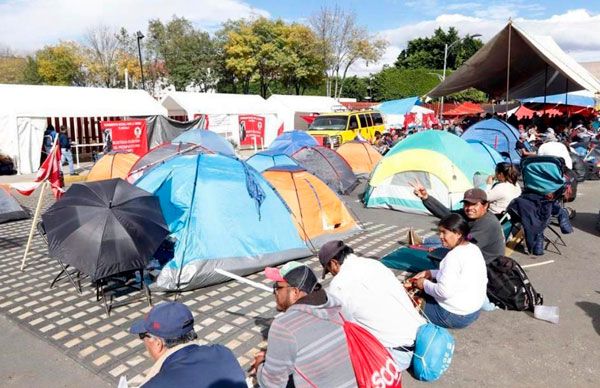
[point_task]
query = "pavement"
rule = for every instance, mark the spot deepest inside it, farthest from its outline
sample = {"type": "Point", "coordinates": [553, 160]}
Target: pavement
{"type": "Point", "coordinates": [56, 337]}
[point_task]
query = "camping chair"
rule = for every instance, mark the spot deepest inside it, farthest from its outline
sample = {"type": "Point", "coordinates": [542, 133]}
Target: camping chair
{"type": "Point", "coordinates": [65, 271]}
{"type": "Point", "coordinates": [544, 175]}
{"type": "Point", "coordinates": [121, 284]}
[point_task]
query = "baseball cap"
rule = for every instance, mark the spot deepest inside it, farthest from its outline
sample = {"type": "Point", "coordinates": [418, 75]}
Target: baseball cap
{"type": "Point", "coordinates": [169, 320]}
{"type": "Point", "coordinates": [328, 251]}
{"type": "Point", "coordinates": [474, 196]}
{"type": "Point", "coordinates": [295, 274]}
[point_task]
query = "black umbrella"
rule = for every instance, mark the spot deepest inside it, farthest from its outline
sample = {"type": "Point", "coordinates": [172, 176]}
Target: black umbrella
{"type": "Point", "coordinates": [105, 228]}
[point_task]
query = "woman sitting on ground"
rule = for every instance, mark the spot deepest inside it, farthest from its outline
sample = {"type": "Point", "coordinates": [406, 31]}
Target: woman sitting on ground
{"type": "Point", "coordinates": [455, 292]}
{"type": "Point", "coordinates": [504, 190]}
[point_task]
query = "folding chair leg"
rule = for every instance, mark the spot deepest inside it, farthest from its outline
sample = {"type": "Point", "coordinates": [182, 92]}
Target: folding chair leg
{"type": "Point", "coordinates": [558, 238]}
{"type": "Point", "coordinates": [514, 242]}
{"type": "Point", "coordinates": [65, 270]}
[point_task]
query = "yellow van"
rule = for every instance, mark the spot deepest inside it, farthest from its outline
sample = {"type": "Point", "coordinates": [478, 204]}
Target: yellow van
{"type": "Point", "coordinates": [334, 129]}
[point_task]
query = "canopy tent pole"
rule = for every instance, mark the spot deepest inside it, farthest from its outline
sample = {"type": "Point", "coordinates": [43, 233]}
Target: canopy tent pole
{"type": "Point", "coordinates": [567, 98]}
{"type": "Point", "coordinates": [508, 65]}
{"type": "Point", "coordinates": [545, 86]}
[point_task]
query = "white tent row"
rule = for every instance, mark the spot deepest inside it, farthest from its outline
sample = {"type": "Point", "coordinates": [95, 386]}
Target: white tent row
{"type": "Point", "coordinates": [290, 108]}
{"type": "Point", "coordinates": [538, 66]}
{"type": "Point", "coordinates": [25, 108]}
{"type": "Point", "coordinates": [222, 111]}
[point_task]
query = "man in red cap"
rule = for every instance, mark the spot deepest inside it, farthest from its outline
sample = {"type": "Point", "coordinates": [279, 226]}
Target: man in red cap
{"type": "Point", "coordinates": [486, 231]}
{"type": "Point", "coordinates": [169, 336]}
{"type": "Point", "coordinates": [307, 342]}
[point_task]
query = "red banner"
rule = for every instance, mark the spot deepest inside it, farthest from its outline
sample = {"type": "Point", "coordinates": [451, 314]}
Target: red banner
{"type": "Point", "coordinates": [252, 127]}
{"type": "Point", "coordinates": [127, 135]}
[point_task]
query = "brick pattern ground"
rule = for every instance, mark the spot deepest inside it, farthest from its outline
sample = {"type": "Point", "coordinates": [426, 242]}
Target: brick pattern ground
{"type": "Point", "coordinates": [233, 314]}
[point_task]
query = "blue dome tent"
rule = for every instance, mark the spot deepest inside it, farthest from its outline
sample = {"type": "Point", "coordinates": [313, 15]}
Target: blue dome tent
{"type": "Point", "coordinates": [207, 139]}
{"type": "Point", "coordinates": [290, 142]}
{"type": "Point", "coordinates": [223, 214]}
{"type": "Point", "coordinates": [499, 135]}
{"type": "Point", "coordinates": [264, 160]}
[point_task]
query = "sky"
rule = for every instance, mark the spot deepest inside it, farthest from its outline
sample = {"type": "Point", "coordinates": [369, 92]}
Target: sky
{"type": "Point", "coordinates": [27, 25]}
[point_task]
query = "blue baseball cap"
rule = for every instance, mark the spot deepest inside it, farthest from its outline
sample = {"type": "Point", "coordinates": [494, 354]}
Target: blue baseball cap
{"type": "Point", "coordinates": [169, 320]}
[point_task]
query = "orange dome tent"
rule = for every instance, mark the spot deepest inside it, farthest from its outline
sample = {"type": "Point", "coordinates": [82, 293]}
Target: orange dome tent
{"type": "Point", "coordinates": [319, 214]}
{"type": "Point", "coordinates": [360, 155]}
{"type": "Point", "coordinates": [112, 165]}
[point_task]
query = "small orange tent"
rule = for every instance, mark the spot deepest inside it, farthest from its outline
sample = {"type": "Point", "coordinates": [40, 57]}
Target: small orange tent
{"type": "Point", "coordinates": [360, 155]}
{"type": "Point", "coordinates": [319, 214]}
{"type": "Point", "coordinates": [112, 165]}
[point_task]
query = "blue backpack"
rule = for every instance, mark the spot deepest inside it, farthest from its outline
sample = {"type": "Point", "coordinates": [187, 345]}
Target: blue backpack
{"type": "Point", "coordinates": [434, 347]}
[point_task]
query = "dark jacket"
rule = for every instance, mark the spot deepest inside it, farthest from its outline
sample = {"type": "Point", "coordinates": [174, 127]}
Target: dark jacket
{"type": "Point", "coordinates": [486, 231]}
{"type": "Point", "coordinates": [211, 366]}
{"type": "Point", "coordinates": [64, 141]}
{"type": "Point", "coordinates": [533, 211]}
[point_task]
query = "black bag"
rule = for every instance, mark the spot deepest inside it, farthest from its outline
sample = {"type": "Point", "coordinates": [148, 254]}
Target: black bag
{"type": "Point", "coordinates": [509, 287]}
{"type": "Point", "coordinates": [592, 173]}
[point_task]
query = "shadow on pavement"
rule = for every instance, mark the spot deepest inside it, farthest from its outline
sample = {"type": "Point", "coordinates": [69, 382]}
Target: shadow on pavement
{"type": "Point", "coordinates": [593, 311]}
{"type": "Point", "coordinates": [586, 222]}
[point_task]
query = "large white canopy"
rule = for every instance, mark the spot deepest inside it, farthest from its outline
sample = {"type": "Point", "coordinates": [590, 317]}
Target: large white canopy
{"type": "Point", "coordinates": [191, 103]}
{"type": "Point", "coordinates": [223, 111]}
{"type": "Point", "coordinates": [538, 66]}
{"type": "Point", "coordinates": [25, 108]}
{"type": "Point", "coordinates": [288, 107]}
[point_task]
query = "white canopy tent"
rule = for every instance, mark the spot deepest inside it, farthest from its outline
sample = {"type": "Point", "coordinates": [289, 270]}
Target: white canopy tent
{"type": "Point", "coordinates": [289, 108]}
{"type": "Point", "coordinates": [25, 109]}
{"type": "Point", "coordinates": [223, 110]}
{"type": "Point", "coordinates": [538, 67]}
{"type": "Point", "coordinates": [397, 120]}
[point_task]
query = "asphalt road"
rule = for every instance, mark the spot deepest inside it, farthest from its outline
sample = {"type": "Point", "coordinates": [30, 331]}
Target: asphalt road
{"type": "Point", "coordinates": [501, 349]}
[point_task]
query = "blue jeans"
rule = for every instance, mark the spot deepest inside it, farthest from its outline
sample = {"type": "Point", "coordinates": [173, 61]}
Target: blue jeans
{"type": "Point", "coordinates": [444, 318]}
{"type": "Point", "coordinates": [432, 242]}
{"type": "Point", "coordinates": [66, 154]}
{"type": "Point", "coordinates": [403, 359]}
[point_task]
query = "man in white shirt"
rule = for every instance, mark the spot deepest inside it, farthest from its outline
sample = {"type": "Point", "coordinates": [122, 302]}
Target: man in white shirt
{"type": "Point", "coordinates": [555, 148]}
{"type": "Point", "coordinates": [375, 297]}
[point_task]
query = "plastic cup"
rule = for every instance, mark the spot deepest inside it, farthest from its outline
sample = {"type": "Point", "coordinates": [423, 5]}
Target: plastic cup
{"type": "Point", "coordinates": [547, 313]}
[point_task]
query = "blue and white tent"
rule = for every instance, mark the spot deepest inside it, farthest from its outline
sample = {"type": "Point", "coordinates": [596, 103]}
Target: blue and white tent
{"type": "Point", "coordinates": [290, 142]}
{"type": "Point", "coordinates": [499, 135]}
{"type": "Point", "coordinates": [207, 139]}
{"type": "Point", "coordinates": [223, 214]}
{"type": "Point", "coordinates": [264, 160]}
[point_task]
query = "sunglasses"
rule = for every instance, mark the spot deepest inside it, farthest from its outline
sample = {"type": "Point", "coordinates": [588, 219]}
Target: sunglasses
{"type": "Point", "coordinates": [144, 335]}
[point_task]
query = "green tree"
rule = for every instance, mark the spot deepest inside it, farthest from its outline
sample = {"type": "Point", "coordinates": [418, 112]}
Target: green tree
{"type": "Point", "coordinates": [393, 83]}
{"type": "Point", "coordinates": [187, 53]}
{"type": "Point", "coordinates": [102, 56]}
{"type": "Point", "coordinates": [302, 66]}
{"type": "Point", "coordinates": [12, 69]}
{"type": "Point", "coordinates": [31, 75]}
{"type": "Point", "coordinates": [356, 87]}
{"type": "Point", "coordinates": [61, 64]}
{"type": "Point", "coordinates": [428, 53]}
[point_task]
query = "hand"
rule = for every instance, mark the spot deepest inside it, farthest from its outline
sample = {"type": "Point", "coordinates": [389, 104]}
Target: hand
{"type": "Point", "coordinates": [419, 190]}
{"type": "Point", "coordinates": [423, 275]}
{"type": "Point", "coordinates": [259, 358]}
{"type": "Point", "coordinates": [490, 179]}
{"type": "Point", "coordinates": [419, 283]}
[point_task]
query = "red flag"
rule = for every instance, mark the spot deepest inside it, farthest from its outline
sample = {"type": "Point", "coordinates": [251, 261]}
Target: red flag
{"type": "Point", "coordinates": [49, 171]}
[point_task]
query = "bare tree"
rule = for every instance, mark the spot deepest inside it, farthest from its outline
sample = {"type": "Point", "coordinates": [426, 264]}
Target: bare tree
{"type": "Point", "coordinates": [102, 48]}
{"type": "Point", "coordinates": [342, 43]}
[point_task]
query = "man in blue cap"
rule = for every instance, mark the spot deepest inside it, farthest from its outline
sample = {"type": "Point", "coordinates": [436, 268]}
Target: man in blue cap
{"type": "Point", "coordinates": [169, 336]}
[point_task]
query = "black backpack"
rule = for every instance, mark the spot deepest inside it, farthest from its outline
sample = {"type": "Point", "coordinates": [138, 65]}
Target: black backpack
{"type": "Point", "coordinates": [509, 287]}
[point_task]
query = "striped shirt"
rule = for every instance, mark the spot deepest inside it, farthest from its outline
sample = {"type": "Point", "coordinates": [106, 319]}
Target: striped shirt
{"type": "Point", "coordinates": [309, 343]}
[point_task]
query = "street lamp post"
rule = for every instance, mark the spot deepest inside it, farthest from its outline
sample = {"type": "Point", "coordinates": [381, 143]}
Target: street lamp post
{"type": "Point", "coordinates": [446, 49]}
{"type": "Point", "coordinates": [139, 37]}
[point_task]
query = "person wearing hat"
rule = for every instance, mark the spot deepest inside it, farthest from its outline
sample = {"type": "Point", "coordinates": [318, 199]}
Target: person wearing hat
{"type": "Point", "coordinates": [169, 337]}
{"type": "Point", "coordinates": [456, 292]}
{"type": "Point", "coordinates": [486, 231]}
{"type": "Point", "coordinates": [375, 297]}
{"type": "Point", "coordinates": [557, 149]}
{"type": "Point", "coordinates": [307, 342]}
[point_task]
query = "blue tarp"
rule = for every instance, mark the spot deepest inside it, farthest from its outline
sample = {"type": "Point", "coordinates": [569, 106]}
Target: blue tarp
{"type": "Point", "coordinates": [498, 134]}
{"type": "Point", "coordinates": [559, 99]}
{"type": "Point", "coordinates": [207, 139]}
{"type": "Point", "coordinates": [223, 214]}
{"type": "Point", "coordinates": [270, 158]}
{"type": "Point", "coordinates": [398, 107]}
{"type": "Point", "coordinates": [290, 142]}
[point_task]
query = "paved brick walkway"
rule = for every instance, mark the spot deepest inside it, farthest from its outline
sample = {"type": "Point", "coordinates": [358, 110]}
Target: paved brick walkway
{"type": "Point", "coordinates": [233, 314]}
